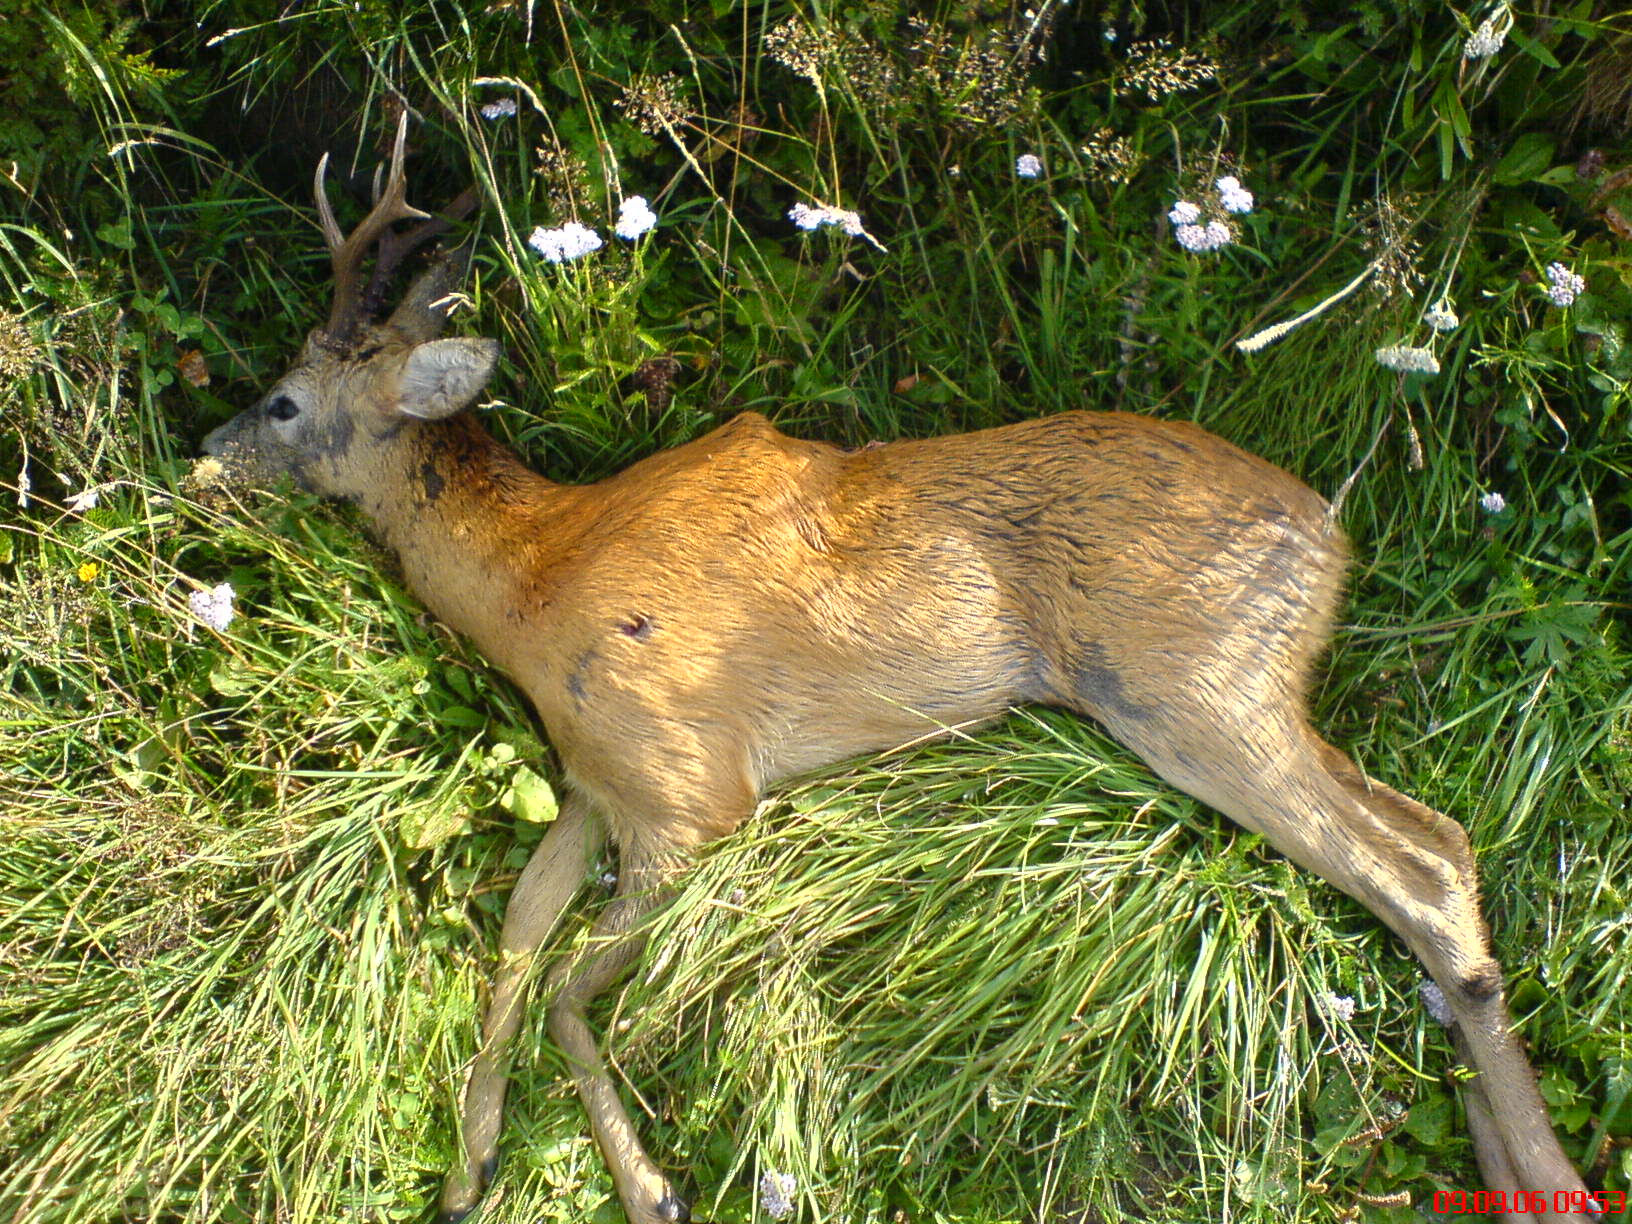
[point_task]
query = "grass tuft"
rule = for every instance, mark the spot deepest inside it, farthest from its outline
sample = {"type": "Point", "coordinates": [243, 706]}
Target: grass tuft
{"type": "Point", "coordinates": [254, 874]}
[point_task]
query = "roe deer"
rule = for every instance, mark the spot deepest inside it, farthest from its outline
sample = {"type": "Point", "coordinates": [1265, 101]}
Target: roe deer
{"type": "Point", "coordinates": [750, 606]}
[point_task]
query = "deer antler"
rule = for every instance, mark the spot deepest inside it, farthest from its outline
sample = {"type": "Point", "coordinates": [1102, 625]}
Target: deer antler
{"type": "Point", "coordinates": [395, 247]}
{"type": "Point", "coordinates": [346, 253]}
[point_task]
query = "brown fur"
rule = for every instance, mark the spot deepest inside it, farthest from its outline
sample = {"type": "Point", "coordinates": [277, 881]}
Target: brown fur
{"type": "Point", "coordinates": [750, 606]}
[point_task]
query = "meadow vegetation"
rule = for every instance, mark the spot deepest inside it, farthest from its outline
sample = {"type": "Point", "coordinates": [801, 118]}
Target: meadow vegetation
{"type": "Point", "coordinates": [257, 841]}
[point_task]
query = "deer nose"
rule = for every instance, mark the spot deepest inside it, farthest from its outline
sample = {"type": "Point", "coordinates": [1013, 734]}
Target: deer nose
{"type": "Point", "coordinates": [217, 441]}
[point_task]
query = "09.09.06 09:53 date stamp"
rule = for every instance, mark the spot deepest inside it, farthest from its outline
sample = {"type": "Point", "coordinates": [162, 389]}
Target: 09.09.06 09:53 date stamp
{"type": "Point", "coordinates": [1607, 1203]}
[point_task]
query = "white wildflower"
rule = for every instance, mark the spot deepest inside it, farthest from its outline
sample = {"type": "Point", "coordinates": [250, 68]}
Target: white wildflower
{"type": "Point", "coordinates": [84, 500]}
{"type": "Point", "coordinates": [776, 1194]}
{"type": "Point", "coordinates": [570, 241]}
{"type": "Point", "coordinates": [1433, 1001]}
{"type": "Point", "coordinates": [1563, 285]}
{"type": "Point", "coordinates": [1441, 317]}
{"type": "Point", "coordinates": [1489, 37]}
{"type": "Point", "coordinates": [812, 216]}
{"type": "Point", "coordinates": [24, 485]}
{"type": "Point", "coordinates": [1340, 1006]}
{"type": "Point", "coordinates": [1192, 237]}
{"type": "Point", "coordinates": [1184, 213]}
{"type": "Point", "coordinates": [1493, 503]}
{"type": "Point", "coordinates": [1207, 237]}
{"type": "Point", "coordinates": [1407, 360]}
{"type": "Point", "coordinates": [635, 217]}
{"type": "Point", "coordinates": [609, 881]}
{"type": "Point", "coordinates": [214, 606]}
{"type": "Point", "coordinates": [501, 109]}
{"type": "Point", "coordinates": [1028, 165]}
{"type": "Point", "coordinates": [1234, 197]}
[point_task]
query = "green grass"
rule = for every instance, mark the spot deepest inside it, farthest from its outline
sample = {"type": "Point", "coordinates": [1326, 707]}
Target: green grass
{"type": "Point", "coordinates": [253, 877]}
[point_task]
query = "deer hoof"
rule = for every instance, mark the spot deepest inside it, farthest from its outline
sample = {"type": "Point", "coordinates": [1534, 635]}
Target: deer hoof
{"type": "Point", "coordinates": [460, 1196]}
{"type": "Point", "coordinates": [672, 1209]}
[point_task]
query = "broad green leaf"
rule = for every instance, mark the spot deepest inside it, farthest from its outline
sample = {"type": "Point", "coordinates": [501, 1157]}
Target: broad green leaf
{"type": "Point", "coordinates": [1528, 158]}
{"type": "Point", "coordinates": [529, 797]}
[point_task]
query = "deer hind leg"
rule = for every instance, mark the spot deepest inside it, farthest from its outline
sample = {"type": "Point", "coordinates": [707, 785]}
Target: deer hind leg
{"type": "Point", "coordinates": [1412, 867]}
{"type": "Point", "coordinates": [616, 942]}
{"type": "Point", "coordinates": [548, 883]}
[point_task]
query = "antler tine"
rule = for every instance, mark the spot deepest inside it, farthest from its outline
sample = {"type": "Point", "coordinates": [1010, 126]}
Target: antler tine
{"type": "Point", "coordinates": [346, 254]}
{"type": "Point", "coordinates": [416, 315]}
{"type": "Point", "coordinates": [325, 213]}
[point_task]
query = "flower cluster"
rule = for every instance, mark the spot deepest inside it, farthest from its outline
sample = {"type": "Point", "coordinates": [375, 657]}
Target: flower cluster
{"type": "Point", "coordinates": [1195, 235]}
{"type": "Point", "coordinates": [776, 1194]}
{"type": "Point", "coordinates": [1441, 317]}
{"type": "Point", "coordinates": [635, 217]}
{"type": "Point", "coordinates": [1407, 360]}
{"type": "Point", "coordinates": [574, 240]}
{"type": "Point", "coordinates": [1209, 237]}
{"type": "Point", "coordinates": [502, 109]}
{"type": "Point", "coordinates": [213, 606]}
{"type": "Point", "coordinates": [1340, 1006]}
{"type": "Point", "coordinates": [1493, 503]}
{"type": "Point", "coordinates": [568, 242]}
{"type": "Point", "coordinates": [813, 216]}
{"type": "Point", "coordinates": [1435, 1003]}
{"type": "Point", "coordinates": [1028, 165]}
{"type": "Point", "coordinates": [1232, 196]}
{"type": "Point", "coordinates": [1489, 37]}
{"type": "Point", "coordinates": [1564, 285]}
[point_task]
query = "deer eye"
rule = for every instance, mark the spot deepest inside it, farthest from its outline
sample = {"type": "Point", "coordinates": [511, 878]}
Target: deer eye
{"type": "Point", "coordinates": [283, 409]}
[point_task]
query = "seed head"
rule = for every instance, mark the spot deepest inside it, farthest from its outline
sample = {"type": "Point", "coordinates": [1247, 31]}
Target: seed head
{"type": "Point", "coordinates": [1156, 69]}
{"type": "Point", "coordinates": [654, 104]}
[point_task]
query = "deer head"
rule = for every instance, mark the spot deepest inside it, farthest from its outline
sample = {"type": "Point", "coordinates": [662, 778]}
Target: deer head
{"type": "Point", "coordinates": [360, 383]}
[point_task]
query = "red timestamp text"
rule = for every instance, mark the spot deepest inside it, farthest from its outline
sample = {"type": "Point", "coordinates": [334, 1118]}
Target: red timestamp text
{"type": "Point", "coordinates": [1528, 1202]}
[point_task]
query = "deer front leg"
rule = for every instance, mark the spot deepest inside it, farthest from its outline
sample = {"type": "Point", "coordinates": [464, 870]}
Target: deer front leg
{"type": "Point", "coordinates": [548, 883]}
{"type": "Point", "coordinates": [616, 942]}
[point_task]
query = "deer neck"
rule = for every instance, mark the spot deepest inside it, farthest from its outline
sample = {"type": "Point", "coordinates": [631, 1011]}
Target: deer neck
{"type": "Point", "coordinates": [469, 522]}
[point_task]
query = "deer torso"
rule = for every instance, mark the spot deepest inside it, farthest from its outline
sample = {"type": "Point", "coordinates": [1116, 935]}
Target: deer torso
{"type": "Point", "coordinates": [750, 605]}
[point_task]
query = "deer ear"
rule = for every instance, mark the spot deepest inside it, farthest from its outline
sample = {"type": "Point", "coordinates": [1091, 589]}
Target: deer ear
{"type": "Point", "coordinates": [442, 377]}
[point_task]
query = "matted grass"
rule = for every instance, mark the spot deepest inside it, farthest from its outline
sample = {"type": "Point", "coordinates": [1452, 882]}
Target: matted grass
{"type": "Point", "coordinates": [254, 876]}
